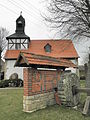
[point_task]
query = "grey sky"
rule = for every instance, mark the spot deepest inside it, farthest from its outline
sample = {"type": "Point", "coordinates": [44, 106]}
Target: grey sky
{"type": "Point", "coordinates": [35, 27]}
{"type": "Point", "coordinates": [31, 9]}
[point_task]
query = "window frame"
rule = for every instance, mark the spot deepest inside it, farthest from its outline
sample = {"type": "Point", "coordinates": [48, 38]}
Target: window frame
{"type": "Point", "coordinates": [47, 48]}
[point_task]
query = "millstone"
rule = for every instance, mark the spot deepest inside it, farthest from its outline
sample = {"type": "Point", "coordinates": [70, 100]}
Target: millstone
{"type": "Point", "coordinates": [65, 86]}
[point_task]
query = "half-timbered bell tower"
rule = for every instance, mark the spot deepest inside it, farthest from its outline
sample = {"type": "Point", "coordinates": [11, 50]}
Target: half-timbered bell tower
{"type": "Point", "coordinates": [19, 40]}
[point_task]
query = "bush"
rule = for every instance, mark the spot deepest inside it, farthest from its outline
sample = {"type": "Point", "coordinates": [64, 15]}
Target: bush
{"type": "Point", "coordinates": [16, 83]}
{"type": "Point", "coordinates": [2, 84]}
{"type": "Point", "coordinates": [11, 83]}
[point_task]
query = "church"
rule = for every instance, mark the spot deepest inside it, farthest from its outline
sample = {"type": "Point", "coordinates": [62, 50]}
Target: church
{"type": "Point", "coordinates": [20, 42]}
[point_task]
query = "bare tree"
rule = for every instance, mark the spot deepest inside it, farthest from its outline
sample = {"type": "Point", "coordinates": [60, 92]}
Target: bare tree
{"type": "Point", "coordinates": [70, 16]}
{"type": "Point", "coordinates": [86, 56]}
{"type": "Point", "coordinates": [3, 41]}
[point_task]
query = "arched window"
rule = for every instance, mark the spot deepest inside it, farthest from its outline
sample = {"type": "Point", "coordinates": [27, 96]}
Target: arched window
{"type": "Point", "coordinates": [19, 23]}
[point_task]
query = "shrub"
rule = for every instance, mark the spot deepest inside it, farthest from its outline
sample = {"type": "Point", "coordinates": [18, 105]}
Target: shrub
{"type": "Point", "coordinates": [16, 83]}
{"type": "Point", "coordinates": [11, 83]}
{"type": "Point", "coordinates": [2, 84]}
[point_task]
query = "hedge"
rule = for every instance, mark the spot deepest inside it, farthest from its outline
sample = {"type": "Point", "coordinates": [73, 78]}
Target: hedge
{"type": "Point", "coordinates": [11, 83]}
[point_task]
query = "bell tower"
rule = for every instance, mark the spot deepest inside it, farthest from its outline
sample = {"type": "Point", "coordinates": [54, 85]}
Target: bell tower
{"type": "Point", "coordinates": [20, 24]}
{"type": "Point", "coordinates": [19, 40]}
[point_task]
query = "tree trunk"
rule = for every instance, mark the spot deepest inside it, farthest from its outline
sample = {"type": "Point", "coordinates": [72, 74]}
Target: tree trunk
{"type": "Point", "coordinates": [0, 64]}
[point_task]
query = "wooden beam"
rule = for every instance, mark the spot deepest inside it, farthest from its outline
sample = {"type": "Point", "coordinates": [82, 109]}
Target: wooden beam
{"type": "Point", "coordinates": [85, 90]}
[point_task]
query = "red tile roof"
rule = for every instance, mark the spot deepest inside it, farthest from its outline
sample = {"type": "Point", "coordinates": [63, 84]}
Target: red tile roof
{"type": "Point", "coordinates": [59, 49]}
{"type": "Point", "coordinates": [28, 59]}
{"type": "Point", "coordinates": [12, 54]}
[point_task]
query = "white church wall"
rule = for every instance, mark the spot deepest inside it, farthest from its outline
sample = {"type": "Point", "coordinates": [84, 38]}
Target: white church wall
{"type": "Point", "coordinates": [10, 69]}
{"type": "Point", "coordinates": [74, 70]}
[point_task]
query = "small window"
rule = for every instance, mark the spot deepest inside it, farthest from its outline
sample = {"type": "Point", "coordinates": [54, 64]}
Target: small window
{"type": "Point", "coordinates": [47, 48]}
{"type": "Point", "coordinates": [19, 23]}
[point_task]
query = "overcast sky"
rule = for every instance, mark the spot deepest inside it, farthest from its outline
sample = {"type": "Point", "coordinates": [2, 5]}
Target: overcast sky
{"type": "Point", "coordinates": [31, 11]}
{"type": "Point", "coordinates": [35, 26]}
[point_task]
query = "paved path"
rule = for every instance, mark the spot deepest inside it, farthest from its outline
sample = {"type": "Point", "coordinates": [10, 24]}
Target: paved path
{"type": "Point", "coordinates": [11, 88]}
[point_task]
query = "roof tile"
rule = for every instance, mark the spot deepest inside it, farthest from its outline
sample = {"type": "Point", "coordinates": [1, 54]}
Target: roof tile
{"type": "Point", "coordinates": [34, 59]}
{"type": "Point", "coordinates": [59, 49]}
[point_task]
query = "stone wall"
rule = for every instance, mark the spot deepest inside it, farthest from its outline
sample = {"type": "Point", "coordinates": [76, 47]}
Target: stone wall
{"type": "Point", "coordinates": [39, 88]}
{"type": "Point", "coordinates": [39, 101]}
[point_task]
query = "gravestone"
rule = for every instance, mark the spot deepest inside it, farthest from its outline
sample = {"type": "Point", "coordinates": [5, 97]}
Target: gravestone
{"type": "Point", "coordinates": [86, 106]}
{"type": "Point", "coordinates": [14, 76]}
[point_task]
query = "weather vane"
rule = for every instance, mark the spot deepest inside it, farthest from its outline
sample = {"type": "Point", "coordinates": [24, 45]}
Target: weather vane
{"type": "Point", "coordinates": [21, 13]}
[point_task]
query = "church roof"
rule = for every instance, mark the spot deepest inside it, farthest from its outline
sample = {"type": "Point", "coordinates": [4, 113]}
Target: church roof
{"type": "Point", "coordinates": [12, 54]}
{"type": "Point", "coordinates": [59, 49]}
{"type": "Point", "coordinates": [27, 59]}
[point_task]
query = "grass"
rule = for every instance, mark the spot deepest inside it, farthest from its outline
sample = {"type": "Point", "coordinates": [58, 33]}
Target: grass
{"type": "Point", "coordinates": [82, 83]}
{"type": "Point", "coordinates": [11, 102]}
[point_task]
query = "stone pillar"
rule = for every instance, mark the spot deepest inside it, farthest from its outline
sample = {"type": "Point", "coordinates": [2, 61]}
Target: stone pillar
{"type": "Point", "coordinates": [88, 76]}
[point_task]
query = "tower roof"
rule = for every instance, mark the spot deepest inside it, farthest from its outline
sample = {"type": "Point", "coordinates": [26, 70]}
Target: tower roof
{"type": "Point", "coordinates": [20, 24]}
{"type": "Point", "coordinates": [20, 29]}
{"type": "Point", "coordinates": [18, 36]}
{"type": "Point", "coordinates": [20, 18]}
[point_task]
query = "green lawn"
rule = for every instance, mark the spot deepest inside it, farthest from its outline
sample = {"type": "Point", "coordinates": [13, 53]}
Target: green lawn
{"type": "Point", "coordinates": [11, 109]}
{"type": "Point", "coordinates": [82, 83]}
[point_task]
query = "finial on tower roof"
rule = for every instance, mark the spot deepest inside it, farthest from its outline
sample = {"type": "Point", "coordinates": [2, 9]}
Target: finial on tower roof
{"type": "Point", "coordinates": [21, 13]}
